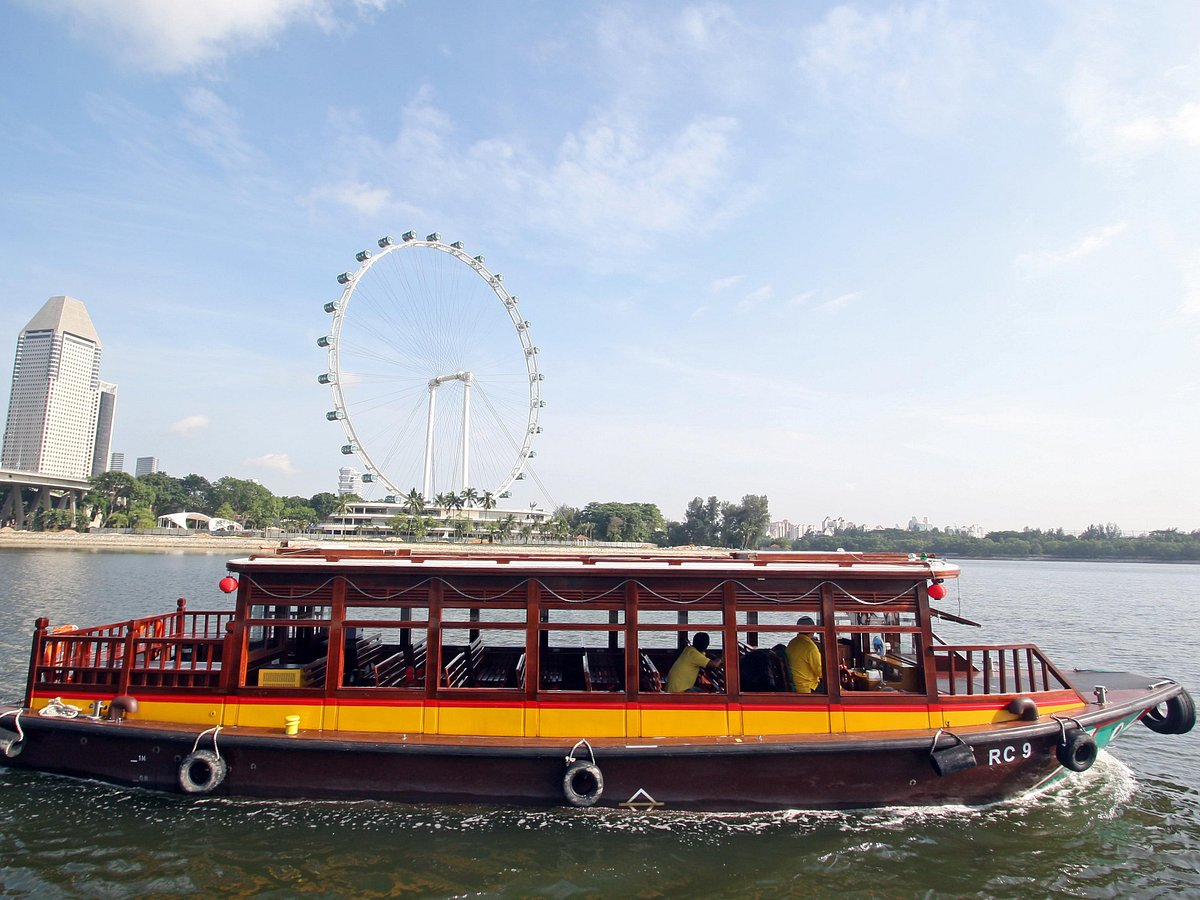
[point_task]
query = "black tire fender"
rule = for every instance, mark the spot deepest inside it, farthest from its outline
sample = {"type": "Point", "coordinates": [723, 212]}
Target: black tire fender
{"type": "Point", "coordinates": [201, 772]}
{"type": "Point", "coordinates": [582, 783]}
{"type": "Point", "coordinates": [1176, 716]}
{"type": "Point", "coordinates": [1078, 751]}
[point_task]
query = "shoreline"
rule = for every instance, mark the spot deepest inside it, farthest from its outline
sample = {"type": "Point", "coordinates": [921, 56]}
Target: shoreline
{"type": "Point", "coordinates": [238, 545]}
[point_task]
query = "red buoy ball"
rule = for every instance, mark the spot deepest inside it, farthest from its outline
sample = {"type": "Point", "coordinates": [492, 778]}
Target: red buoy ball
{"type": "Point", "coordinates": [228, 584]}
{"type": "Point", "coordinates": [937, 591]}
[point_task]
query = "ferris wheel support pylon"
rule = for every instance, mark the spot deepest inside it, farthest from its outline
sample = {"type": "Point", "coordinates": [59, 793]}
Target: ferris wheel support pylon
{"type": "Point", "coordinates": [434, 384]}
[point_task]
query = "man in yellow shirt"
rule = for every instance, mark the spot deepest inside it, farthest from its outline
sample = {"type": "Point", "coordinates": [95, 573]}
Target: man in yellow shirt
{"type": "Point", "coordinates": [804, 659]}
{"type": "Point", "coordinates": [692, 659]}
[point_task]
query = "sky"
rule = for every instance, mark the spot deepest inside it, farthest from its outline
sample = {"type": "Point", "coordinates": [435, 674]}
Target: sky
{"type": "Point", "coordinates": [873, 260]}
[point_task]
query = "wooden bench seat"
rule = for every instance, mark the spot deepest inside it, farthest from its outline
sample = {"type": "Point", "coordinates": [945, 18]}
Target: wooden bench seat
{"type": "Point", "coordinates": [651, 680]}
{"type": "Point", "coordinates": [456, 673]}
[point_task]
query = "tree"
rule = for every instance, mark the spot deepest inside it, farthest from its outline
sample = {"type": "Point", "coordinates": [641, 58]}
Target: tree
{"type": "Point", "coordinates": [623, 521]}
{"type": "Point", "coordinates": [324, 503]}
{"type": "Point", "coordinates": [744, 524]}
{"type": "Point", "coordinates": [298, 517]}
{"type": "Point", "coordinates": [110, 492]}
{"type": "Point", "coordinates": [414, 502]}
{"type": "Point", "coordinates": [198, 493]}
{"type": "Point", "coordinates": [701, 524]}
{"type": "Point", "coordinates": [167, 493]}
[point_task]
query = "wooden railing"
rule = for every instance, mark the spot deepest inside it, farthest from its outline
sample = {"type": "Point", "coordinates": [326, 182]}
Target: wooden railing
{"type": "Point", "coordinates": [178, 650]}
{"type": "Point", "coordinates": [1001, 669]}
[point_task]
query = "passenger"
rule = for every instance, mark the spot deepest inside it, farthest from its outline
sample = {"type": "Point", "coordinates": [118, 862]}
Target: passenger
{"type": "Point", "coordinates": [804, 659]}
{"type": "Point", "coordinates": [691, 661]}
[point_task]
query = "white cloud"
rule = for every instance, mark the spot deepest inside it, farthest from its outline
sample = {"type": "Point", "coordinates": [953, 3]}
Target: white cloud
{"type": "Point", "coordinates": [366, 199]}
{"type": "Point", "coordinates": [1182, 126]}
{"type": "Point", "coordinates": [605, 174]}
{"type": "Point", "coordinates": [189, 425]}
{"type": "Point", "coordinates": [916, 65]}
{"type": "Point", "coordinates": [178, 35]}
{"type": "Point", "coordinates": [838, 302]}
{"type": "Point", "coordinates": [755, 297]}
{"type": "Point", "coordinates": [212, 126]}
{"type": "Point", "coordinates": [725, 283]}
{"type": "Point", "coordinates": [275, 462]}
{"type": "Point", "coordinates": [1039, 262]}
{"type": "Point", "coordinates": [610, 176]}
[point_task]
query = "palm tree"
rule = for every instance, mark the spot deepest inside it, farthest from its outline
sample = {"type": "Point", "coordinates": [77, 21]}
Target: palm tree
{"type": "Point", "coordinates": [469, 496]}
{"type": "Point", "coordinates": [488, 500]}
{"type": "Point", "coordinates": [507, 524]}
{"type": "Point", "coordinates": [414, 502]}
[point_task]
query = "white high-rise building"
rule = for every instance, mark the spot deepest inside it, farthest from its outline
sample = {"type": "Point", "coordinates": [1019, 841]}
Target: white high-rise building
{"type": "Point", "coordinates": [55, 401]}
{"type": "Point", "coordinates": [146, 465]}
{"type": "Point", "coordinates": [349, 481]}
{"type": "Point", "coordinates": [117, 463]}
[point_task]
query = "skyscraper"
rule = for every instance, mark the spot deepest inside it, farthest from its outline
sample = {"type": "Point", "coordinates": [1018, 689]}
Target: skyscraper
{"type": "Point", "coordinates": [117, 463]}
{"type": "Point", "coordinates": [146, 465]}
{"type": "Point", "coordinates": [104, 426]}
{"type": "Point", "coordinates": [55, 402]}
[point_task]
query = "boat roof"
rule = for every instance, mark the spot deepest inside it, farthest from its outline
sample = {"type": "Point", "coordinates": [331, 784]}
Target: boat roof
{"type": "Point", "coordinates": [573, 560]}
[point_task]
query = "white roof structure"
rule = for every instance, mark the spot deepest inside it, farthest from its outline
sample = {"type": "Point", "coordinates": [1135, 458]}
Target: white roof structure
{"type": "Point", "coordinates": [210, 523]}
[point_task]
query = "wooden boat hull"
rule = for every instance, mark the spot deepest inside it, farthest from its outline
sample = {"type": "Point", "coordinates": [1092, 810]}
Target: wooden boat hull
{"type": "Point", "coordinates": [833, 771]}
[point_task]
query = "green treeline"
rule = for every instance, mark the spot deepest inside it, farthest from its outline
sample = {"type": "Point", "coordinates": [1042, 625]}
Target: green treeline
{"type": "Point", "coordinates": [1096, 542]}
{"type": "Point", "coordinates": [119, 500]}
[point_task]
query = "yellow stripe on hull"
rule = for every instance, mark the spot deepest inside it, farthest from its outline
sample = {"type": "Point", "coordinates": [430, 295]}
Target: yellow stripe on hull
{"type": "Point", "coordinates": [631, 721]}
{"type": "Point", "coordinates": [756, 720]}
{"type": "Point", "coordinates": [954, 717]}
{"type": "Point", "coordinates": [566, 721]}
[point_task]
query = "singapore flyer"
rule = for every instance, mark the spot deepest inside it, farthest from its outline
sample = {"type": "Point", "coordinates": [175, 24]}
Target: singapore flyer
{"type": "Point", "coordinates": [433, 372]}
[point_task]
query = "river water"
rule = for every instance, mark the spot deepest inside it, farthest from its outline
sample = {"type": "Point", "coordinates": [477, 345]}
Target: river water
{"type": "Point", "coordinates": [1128, 827]}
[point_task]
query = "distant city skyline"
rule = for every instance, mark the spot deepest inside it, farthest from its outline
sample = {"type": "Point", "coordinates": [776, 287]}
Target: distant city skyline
{"type": "Point", "coordinates": [878, 259]}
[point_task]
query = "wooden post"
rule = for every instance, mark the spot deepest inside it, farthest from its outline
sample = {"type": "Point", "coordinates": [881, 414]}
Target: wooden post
{"type": "Point", "coordinates": [335, 654]}
{"type": "Point", "coordinates": [633, 664]}
{"type": "Point", "coordinates": [35, 654]}
{"type": "Point", "coordinates": [733, 659]}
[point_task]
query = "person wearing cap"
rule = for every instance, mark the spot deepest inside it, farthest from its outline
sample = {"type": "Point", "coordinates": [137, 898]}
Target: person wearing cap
{"type": "Point", "coordinates": [804, 659]}
{"type": "Point", "coordinates": [687, 667]}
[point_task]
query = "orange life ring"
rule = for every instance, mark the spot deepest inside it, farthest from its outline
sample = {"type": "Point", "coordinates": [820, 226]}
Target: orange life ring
{"type": "Point", "coordinates": [54, 653]}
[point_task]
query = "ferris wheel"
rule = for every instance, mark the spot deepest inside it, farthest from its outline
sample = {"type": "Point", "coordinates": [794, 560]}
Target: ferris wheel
{"type": "Point", "coordinates": [434, 375]}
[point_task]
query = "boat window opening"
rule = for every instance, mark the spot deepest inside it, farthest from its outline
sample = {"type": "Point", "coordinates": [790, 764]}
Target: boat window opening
{"type": "Point", "coordinates": [385, 646]}
{"type": "Point", "coordinates": [294, 655]}
{"type": "Point", "coordinates": [664, 631]}
{"type": "Point", "coordinates": [482, 643]}
{"type": "Point", "coordinates": [581, 649]}
{"type": "Point", "coordinates": [880, 650]}
{"type": "Point", "coordinates": [763, 638]}
{"type": "Point", "coordinates": [384, 654]}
